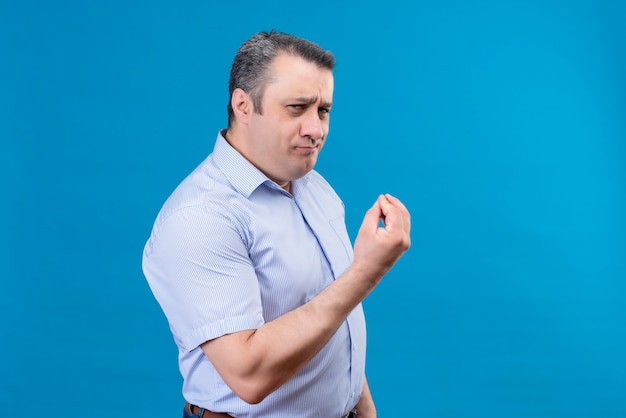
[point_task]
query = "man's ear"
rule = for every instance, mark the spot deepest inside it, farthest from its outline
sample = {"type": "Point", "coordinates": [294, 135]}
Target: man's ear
{"type": "Point", "coordinates": [242, 105]}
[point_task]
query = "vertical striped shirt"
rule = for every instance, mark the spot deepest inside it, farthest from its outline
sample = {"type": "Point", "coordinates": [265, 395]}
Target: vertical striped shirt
{"type": "Point", "coordinates": [231, 250]}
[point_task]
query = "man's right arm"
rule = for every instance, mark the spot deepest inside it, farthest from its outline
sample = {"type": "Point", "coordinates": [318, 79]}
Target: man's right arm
{"type": "Point", "coordinates": [256, 362]}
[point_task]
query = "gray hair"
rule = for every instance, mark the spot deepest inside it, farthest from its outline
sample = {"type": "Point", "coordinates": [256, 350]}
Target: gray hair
{"type": "Point", "coordinates": [250, 68]}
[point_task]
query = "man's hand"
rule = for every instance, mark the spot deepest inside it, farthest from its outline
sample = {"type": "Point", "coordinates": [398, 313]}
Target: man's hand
{"type": "Point", "coordinates": [377, 247]}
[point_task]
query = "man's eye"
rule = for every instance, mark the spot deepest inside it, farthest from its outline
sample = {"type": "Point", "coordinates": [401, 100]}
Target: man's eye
{"type": "Point", "coordinates": [296, 106]}
{"type": "Point", "coordinates": [324, 110]}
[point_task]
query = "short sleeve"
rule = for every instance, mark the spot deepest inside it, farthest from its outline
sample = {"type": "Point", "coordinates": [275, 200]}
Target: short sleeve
{"type": "Point", "coordinates": [198, 268]}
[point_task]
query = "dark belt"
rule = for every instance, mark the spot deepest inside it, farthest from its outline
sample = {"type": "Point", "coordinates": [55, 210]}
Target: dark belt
{"type": "Point", "coordinates": [205, 412]}
{"type": "Point", "coordinates": [208, 414]}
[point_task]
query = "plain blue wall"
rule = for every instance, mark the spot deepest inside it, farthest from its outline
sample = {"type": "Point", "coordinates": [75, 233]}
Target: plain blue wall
{"type": "Point", "coordinates": [502, 127]}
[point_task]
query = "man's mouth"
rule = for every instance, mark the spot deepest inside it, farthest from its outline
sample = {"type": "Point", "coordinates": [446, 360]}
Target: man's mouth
{"type": "Point", "coordinates": [307, 148]}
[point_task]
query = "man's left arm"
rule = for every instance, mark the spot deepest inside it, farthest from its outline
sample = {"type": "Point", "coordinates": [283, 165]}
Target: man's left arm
{"type": "Point", "coordinates": [365, 408]}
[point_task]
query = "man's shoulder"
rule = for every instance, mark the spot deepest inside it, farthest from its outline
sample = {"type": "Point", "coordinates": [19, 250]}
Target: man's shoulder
{"type": "Point", "coordinates": [205, 188]}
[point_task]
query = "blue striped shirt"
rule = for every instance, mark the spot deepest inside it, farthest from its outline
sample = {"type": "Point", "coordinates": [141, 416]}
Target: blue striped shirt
{"type": "Point", "coordinates": [231, 250]}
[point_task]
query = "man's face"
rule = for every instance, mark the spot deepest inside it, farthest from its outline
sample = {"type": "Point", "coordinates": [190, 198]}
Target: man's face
{"type": "Point", "coordinates": [285, 140]}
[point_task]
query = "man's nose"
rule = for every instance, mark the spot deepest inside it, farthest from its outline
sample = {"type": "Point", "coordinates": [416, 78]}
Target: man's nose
{"type": "Point", "coordinates": [312, 126]}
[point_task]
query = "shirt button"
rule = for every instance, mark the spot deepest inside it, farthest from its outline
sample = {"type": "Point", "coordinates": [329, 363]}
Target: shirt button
{"type": "Point", "coordinates": [354, 347]}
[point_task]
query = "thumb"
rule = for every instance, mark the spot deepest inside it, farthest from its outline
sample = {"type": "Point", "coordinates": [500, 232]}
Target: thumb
{"type": "Point", "coordinates": [372, 216]}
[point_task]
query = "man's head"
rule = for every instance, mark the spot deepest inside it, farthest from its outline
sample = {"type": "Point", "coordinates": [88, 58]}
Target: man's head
{"type": "Point", "coordinates": [250, 70]}
{"type": "Point", "coordinates": [281, 96]}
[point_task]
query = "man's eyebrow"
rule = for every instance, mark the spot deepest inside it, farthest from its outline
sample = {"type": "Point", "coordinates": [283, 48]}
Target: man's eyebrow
{"type": "Point", "coordinates": [310, 100]}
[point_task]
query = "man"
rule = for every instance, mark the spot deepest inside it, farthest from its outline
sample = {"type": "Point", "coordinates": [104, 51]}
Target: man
{"type": "Point", "coordinates": [250, 259]}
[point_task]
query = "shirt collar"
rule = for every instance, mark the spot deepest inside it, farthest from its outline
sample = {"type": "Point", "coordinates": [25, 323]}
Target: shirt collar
{"type": "Point", "coordinates": [244, 177]}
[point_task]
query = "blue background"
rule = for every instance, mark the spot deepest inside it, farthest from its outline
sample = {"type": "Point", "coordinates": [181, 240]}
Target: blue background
{"type": "Point", "coordinates": [501, 125]}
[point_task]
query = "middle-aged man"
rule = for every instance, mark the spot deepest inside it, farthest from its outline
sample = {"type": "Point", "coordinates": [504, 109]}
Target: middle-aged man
{"type": "Point", "coordinates": [250, 259]}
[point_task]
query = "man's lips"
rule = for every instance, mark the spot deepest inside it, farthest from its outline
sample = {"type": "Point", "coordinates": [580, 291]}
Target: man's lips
{"type": "Point", "coordinates": [307, 148]}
